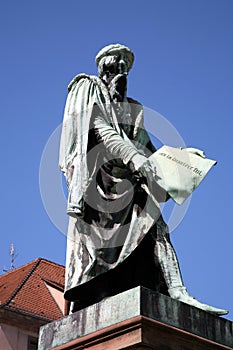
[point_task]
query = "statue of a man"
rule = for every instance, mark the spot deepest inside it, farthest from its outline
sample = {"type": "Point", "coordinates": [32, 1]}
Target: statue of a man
{"type": "Point", "coordinates": [117, 238]}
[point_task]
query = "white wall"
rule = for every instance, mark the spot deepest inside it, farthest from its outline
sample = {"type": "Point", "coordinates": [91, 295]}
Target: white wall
{"type": "Point", "coordinates": [13, 338]}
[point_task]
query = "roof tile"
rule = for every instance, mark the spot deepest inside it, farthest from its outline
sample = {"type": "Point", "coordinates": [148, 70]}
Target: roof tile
{"type": "Point", "coordinates": [24, 289]}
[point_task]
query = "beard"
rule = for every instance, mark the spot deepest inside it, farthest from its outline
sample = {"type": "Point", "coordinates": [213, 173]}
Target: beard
{"type": "Point", "coordinates": [117, 87]}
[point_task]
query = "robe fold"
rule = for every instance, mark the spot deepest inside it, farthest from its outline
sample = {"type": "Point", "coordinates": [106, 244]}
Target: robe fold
{"type": "Point", "coordinates": [110, 212]}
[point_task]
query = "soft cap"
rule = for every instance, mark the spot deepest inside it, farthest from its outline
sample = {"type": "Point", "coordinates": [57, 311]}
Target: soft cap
{"type": "Point", "coordinates": [115, 49]}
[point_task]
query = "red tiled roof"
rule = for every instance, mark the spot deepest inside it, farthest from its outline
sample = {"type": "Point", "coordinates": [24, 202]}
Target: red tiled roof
{"type": "Point", "coordinates": [24, 289]}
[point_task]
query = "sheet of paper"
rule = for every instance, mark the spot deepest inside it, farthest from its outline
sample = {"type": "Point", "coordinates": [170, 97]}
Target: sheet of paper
{"type": "Point", "coordinates": [179, 171]}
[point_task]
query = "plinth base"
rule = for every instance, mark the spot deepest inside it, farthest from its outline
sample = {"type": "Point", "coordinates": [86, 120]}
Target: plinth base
{"type": "Point", "coordinates": [138, 319]}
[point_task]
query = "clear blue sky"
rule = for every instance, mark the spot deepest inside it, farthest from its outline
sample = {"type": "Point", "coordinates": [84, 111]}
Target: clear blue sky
{"type": "Point", "coordinates": [183, 69]}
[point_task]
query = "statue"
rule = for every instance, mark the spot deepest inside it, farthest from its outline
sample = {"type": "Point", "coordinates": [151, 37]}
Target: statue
{"type": "Point", "coordinates": [117, 238]}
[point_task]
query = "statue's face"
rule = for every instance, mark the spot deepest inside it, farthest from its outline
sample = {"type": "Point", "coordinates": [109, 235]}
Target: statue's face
{"type": "Point", "coordinates": [122, 64]}
{"type": "Point", "coordinates": [113, 70]}
{"type": "Point", "coordinates": [114, 65]}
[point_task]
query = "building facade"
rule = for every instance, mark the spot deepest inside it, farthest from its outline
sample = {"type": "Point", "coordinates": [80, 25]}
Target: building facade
{"type": "Point", "coordinates": [30, 296]}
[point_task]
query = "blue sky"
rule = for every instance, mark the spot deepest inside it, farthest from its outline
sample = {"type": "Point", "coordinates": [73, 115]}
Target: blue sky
{"type": "Point", "coordinates": [183, 70]}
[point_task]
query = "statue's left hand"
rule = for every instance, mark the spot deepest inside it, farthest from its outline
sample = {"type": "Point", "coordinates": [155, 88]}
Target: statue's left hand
{"type": "Point", "coordinates": [196, 151]}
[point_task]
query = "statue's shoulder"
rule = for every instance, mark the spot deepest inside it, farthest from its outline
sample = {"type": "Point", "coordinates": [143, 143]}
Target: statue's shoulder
{"type": "Point", "coordinates": [136, 105]}
{"type": "Point", "coordinates": [83, 76]}
{"type": "Point", "coordinates": [132, 100]}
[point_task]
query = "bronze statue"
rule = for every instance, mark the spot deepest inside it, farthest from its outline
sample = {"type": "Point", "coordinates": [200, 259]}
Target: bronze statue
{"type": "Point", "coordinates": [117, 238]}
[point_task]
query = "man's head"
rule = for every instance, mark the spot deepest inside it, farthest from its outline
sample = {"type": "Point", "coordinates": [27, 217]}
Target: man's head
{"type": "Point", "coordinates": [114, 59]}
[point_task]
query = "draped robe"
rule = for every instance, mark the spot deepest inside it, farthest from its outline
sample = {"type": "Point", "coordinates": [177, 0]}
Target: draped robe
{"type": "Point", "coordinates": [110, 211]}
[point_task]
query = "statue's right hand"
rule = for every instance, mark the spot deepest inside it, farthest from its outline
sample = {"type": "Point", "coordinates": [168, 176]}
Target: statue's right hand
{"type": "Point", "coordinates": [137, 162]}
{"type": "Point", "coordinates": [143, 166]}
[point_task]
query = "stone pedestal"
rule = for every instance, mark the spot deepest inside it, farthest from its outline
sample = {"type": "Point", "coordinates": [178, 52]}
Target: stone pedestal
{"type": "Point", "coordinates": [138, 319]}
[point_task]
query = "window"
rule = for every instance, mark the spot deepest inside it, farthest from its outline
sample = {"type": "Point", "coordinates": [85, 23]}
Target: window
{"type": "Point", "coordinates": [32, 343]}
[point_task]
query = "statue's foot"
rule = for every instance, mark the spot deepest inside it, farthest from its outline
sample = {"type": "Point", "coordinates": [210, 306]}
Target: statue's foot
{"type": "Point", "coordinates": [181, 294]}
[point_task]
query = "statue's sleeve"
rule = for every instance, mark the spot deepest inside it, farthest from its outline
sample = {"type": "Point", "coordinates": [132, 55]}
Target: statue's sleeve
{"type": "Point", "coordinates": [75, 122]}
{"type": "Point", "coordinates": [68, 135]}
{"type": "Point", "coordinates": [117, 146]}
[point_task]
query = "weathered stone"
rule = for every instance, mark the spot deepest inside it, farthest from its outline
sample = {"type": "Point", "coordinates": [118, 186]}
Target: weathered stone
{"type": "Point", "coordinates": [145, 309]}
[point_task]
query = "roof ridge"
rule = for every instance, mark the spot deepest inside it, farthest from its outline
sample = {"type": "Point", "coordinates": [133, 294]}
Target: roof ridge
{"type": "Point", "coordinates": [53, 283]}
{"type": "Point", "coordinates": [36, 263]}
{"type": "Point", "coordinates": [17, 268]}
{"type": "Point", "coordinates": [51, 262]}
{"type": "Point", "coordinates": [25, 265]}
